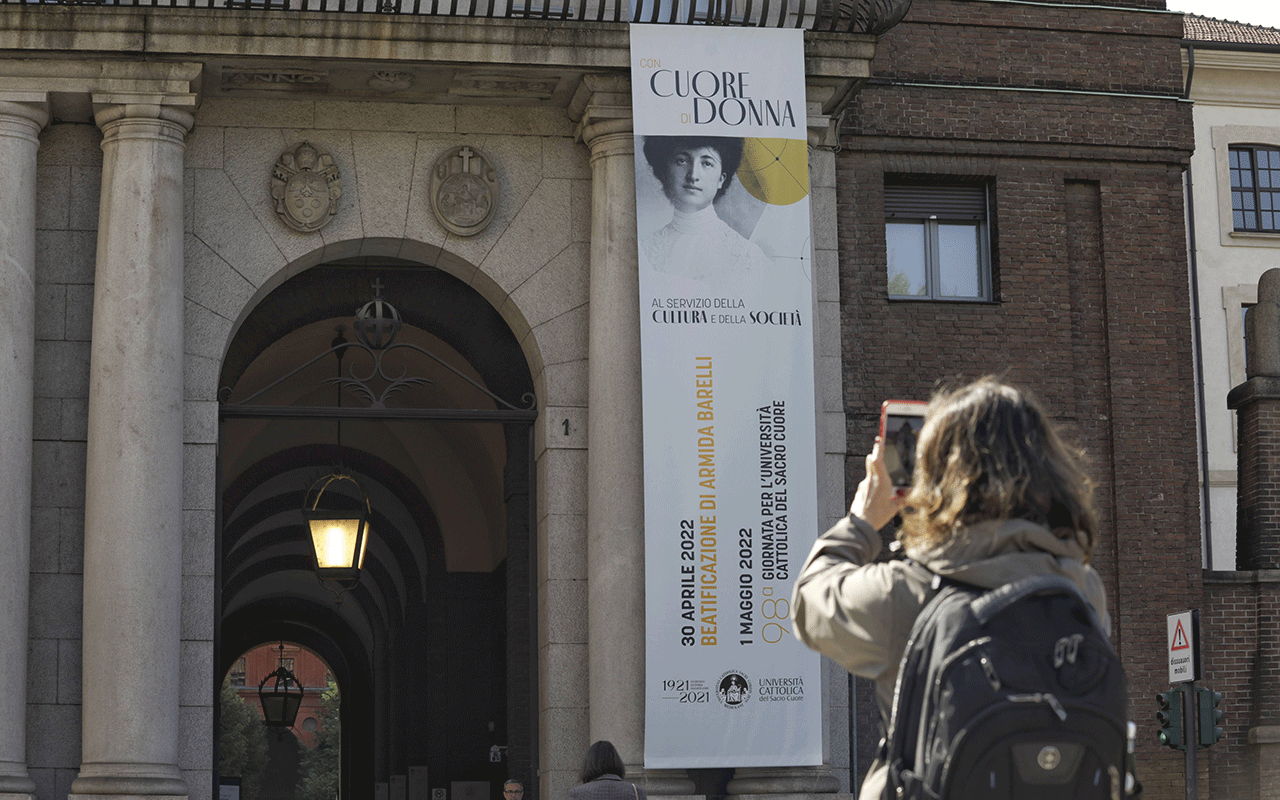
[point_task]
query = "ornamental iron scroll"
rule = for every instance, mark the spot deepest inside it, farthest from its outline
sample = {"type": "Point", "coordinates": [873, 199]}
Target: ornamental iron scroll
{"type": "Point", "coordinates": [872, 17]}
{"type": "Point", "coordinates": [376, 325]}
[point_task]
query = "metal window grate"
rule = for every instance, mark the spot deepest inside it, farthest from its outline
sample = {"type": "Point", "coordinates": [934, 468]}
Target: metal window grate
{"type": "Point", "coordinates": [840, 16]}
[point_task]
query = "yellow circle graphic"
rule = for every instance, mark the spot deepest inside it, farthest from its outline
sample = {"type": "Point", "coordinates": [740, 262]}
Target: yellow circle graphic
{"type": "Point", "coordinates": [775, 171]}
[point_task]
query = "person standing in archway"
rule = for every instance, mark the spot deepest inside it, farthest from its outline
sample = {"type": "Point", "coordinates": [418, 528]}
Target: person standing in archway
{"type": "Point", "coordinates": [602, 776]}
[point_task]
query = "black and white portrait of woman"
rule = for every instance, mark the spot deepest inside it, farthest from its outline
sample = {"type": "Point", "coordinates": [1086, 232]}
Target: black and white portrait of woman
{"type": "Point", "coordinates": [695, 172]}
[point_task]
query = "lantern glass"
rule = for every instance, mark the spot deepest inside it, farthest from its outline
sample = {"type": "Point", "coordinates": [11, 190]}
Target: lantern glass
{"type": "Point", "coordinates": [335, 542]}
{"type": "Point", "coordinates": [281, 710]}
{"type": "Point", "coordinates": [281, 702]}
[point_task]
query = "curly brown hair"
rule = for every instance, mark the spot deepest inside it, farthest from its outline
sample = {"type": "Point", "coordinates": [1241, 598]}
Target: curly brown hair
{"type": "Point", "coordinates": [989, 451]}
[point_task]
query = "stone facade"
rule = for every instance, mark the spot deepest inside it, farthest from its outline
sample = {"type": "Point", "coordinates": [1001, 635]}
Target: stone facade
{"type": "Point", "coordinates": [151, 240]}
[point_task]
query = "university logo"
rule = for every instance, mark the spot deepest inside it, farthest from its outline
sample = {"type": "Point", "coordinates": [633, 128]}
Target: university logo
{"type": "Point", "coordinates": [734, 690]}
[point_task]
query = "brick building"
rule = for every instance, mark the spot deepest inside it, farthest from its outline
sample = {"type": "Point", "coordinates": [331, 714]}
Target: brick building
{"type": "Point", "coordinates": [996, 187]}
{"type": "Point", "coordinates": [1070, 122]}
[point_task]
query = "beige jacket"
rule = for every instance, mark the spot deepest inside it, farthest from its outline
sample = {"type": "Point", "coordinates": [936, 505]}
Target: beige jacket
{"type": "Point", "coordinates": [859, 613]}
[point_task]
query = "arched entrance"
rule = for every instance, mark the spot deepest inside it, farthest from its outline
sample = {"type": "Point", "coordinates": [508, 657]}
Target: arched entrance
{"type": "Point", "coordinates": [270, 763]}
{"type": "Point", "coordinates": [433, 647]}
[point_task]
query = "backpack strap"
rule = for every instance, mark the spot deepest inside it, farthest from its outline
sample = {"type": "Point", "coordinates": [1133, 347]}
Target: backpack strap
{"type": "Point", "coordinates": [899, 744]}
{"type": "Point", "coordinates": [991, 602]}
{"type": "Point", "coordinates": [996, 600]}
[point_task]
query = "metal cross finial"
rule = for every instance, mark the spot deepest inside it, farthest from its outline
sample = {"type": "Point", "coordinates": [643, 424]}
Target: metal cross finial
{"type": "Point", "coordinates": [377, 287]}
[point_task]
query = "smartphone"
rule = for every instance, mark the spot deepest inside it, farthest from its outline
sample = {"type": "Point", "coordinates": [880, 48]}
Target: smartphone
{"type": "Point", "coordinates": [900, 424]}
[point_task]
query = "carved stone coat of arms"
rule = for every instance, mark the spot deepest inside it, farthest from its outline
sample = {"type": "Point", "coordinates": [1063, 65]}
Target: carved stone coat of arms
{"type": "Point", "coordinates": [306, 187]}
{"type": "Point", "coordinates": [464, 190]}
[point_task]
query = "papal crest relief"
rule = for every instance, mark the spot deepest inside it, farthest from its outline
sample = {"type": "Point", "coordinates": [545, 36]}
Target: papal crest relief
{"type": "Point", "coordinates": [306, 187]}
{"type": "Point", "coordinates": [464, 190]}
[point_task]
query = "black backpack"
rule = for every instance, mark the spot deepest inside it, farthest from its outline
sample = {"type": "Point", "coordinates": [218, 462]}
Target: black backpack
{"type": "Point", "coordinates": [1012, 693]}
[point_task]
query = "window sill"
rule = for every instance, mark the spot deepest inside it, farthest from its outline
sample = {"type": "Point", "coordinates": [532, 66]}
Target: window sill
{"type": "Point", "coordinates": [1257, 236]}
{"type": "Point", "coordinates": [964, 301]}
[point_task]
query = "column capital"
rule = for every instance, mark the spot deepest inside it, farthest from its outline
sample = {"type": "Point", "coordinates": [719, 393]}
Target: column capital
{"type": "Point", "coordinates": [602, 108]}
{"type": "Point", "coordinates": [21, 115]}
{"type": "Point", "coordinates": [43, 81]}
{"type": "Point", "coordinates": [109, 115]}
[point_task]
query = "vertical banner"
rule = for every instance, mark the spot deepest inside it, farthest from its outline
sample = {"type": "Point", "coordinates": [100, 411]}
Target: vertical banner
{"type": "Point", "coordinates": [726, 310]}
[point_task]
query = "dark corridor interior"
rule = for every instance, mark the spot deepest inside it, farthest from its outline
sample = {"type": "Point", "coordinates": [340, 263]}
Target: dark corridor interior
{"type": "Point", "coordinates": [433, 645]}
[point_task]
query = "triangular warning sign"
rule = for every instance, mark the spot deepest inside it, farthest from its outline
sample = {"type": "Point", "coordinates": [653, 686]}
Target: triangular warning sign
{"type": "Point", "coordinates": [1179, 638]}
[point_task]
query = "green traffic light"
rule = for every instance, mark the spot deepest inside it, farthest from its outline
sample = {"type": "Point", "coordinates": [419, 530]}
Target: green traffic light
{"type": "Point", "coordinates": [1170, 718]}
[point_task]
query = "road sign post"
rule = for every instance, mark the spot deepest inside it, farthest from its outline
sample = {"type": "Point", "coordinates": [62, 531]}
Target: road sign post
{"type": "Point", "coordinates": [1184, 668]}
{"type": "Point", "coordinates": [1184, 646]}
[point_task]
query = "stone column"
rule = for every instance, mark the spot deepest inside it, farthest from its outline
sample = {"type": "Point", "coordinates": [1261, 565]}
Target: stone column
{"type": "Point", "coordinates": [20, 125]}
{"type": "Point", "coordinates": [133, 491]}
{"type": "Point", "coordinates": [1257, 405]}
{"type": "Point", "coordinates": [615, 455]}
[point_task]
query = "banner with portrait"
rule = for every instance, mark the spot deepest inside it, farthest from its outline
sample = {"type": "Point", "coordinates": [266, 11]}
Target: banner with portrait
{"type": "Point", "coordinates": [727, 347]}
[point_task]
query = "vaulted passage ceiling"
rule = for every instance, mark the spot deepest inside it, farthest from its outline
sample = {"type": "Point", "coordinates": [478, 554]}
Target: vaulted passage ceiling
{"type": "Point", "coordinates": [420, 424]}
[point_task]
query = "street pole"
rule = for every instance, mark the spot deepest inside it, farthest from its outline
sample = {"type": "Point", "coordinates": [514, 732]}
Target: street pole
{"type": "Point", "coordinates": [1189, 735]}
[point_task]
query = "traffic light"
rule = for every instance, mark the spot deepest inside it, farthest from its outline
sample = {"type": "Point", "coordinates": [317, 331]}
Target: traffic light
{"type": "Point", "coordinates": [1209, 715]}
{"type": "Point", "coordinates": [1170, 718]}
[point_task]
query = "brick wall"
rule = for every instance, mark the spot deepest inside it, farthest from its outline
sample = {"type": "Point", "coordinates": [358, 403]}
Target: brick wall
{"type": "Point", "coordinates": [1241, 659]}
{"type": "Point", "coordinates": [1258, 495]}
{"type": "Point", "coordinates": [1091, 303]}
{"type": "Point", "coordinates": [1240, 632]}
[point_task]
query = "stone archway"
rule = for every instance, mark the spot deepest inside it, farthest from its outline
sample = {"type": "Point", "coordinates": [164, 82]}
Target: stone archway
{"type": "Point", "coordinates": [443, 616]}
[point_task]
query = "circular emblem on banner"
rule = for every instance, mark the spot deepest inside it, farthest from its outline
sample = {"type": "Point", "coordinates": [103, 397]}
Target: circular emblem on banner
{"type": "Point", "coordinates": [775, 171]}
{"type": "Point", "coordinates": [464, 190]}
{"type": "Point", "coordinates": [306, 187]}
{"type": "Point", "coordinates": [734, 690]}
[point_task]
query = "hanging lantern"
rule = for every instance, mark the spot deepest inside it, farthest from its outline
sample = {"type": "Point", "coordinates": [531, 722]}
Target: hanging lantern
{"type": "Point", "coordinates": [281, 702]}
{"type": "Point", "coordinates": [338, 537]}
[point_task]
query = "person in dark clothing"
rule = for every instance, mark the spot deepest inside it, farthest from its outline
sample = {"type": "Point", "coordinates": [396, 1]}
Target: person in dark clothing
{"type": "Point", "coordinates": [602, 776]}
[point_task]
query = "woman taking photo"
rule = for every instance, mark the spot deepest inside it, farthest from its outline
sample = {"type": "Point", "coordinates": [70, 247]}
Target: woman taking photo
{"type": "Point", "coordinates": [996, 496]}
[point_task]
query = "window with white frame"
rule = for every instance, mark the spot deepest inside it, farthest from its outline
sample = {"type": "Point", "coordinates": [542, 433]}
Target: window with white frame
{"type": "Point", "coordinates": [938, 240]}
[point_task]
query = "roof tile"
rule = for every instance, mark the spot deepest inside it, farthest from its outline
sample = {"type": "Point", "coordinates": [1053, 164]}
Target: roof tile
{"type": "Point", "coordinates": [1207, 29]}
